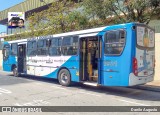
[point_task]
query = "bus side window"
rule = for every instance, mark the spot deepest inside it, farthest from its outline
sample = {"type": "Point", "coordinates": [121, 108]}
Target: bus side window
{"type": "Point", "coordinates": [14, 49]}
{"type": "Point", "coordinates": [55, 47]}
{"type": "Point", "coordinates": [5, 53]}
{"type": "Point", "coordinates": [114, 42]}
{"type": "Point", "coordinates": [70, 45]}
{"type": "Point", "coordinates": [42, 48]}
{"type": "Point", "coordinates": [31, 48]}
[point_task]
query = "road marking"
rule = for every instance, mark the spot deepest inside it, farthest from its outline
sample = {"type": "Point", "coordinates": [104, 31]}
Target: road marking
{"type": "Point", "coordinates": [4, 91]}
{"type": "Point", "coordinates": [133, 102]}
{"type": "Point", "coordinates": [33, 103]}
{"type": "Point", "coordinates": [90, 94]}
{"type": "Point", "coordinates": [60, 88]}
{"type": "Point", "coordinates": [78, 91]}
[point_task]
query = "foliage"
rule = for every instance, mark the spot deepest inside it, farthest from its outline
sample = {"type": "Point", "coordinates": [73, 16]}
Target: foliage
{"type": "Point", "coordinates": [66, 15]}
{"type": "Point", "coordinates": [123, 10]}
{"type": "Point", "coordinates": [58, 18]}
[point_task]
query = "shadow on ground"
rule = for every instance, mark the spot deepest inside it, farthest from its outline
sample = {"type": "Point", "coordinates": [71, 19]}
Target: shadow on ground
{"type": "Point", "coordinates": [132, 93]}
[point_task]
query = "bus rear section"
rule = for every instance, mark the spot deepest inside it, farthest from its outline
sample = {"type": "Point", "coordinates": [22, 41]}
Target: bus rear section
{"type": "Point", "coordinates": [143, 62]}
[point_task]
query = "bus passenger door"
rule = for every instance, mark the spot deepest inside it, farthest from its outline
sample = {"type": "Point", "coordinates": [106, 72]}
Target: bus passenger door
{"type": "Point", "coordinates": [89, 59]}
{"type": "Point", "coordinates": [21, 58]}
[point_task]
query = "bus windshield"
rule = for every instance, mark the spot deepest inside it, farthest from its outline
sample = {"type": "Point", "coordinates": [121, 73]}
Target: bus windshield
{"type": "Point", "coordinates": [145, 37]}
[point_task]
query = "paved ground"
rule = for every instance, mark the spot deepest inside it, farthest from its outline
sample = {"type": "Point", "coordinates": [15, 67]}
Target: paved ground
{"type": "Point", "coordinates": [31, 91]}
{"type": "Point", "coordinates": [151, 86]}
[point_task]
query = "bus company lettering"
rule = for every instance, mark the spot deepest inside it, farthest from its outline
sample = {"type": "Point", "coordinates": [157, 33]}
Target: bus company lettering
{"type": "Point", "coordinates": [110, 63]}
{"type": "Point", "coordinates": [47, 61]}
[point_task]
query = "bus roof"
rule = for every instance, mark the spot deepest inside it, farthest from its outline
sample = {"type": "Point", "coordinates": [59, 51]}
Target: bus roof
{"type": "Point", "coordinates": [17, 41]}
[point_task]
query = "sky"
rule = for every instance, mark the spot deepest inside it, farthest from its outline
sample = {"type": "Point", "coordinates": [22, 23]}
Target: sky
{"type": "Point", "coordinates": [4, 4]}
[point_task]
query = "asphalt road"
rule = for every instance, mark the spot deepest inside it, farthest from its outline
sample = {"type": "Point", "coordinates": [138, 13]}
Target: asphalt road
{"type": "Point", "coordinates": [36, 91]}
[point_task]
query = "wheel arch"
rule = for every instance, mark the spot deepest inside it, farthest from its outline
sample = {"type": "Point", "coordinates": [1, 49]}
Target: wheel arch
{"type": "Point", "coordinates": [63, 68]}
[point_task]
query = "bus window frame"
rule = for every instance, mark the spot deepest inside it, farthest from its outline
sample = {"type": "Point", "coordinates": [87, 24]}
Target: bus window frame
{"type": "Point", "coordinates": [46, 47]}
{"type": "Point", "coordinates": [6, 46]}
{"type": "Point", "coordinates": [50, 46]}
{"type": "Point", "coordinates": [125, 41]}
{"type": "Point", "coordinates": [32, 48]}
{"type": "Point", "coordinates": [71, 45]}
{"type": "Point", "coordinates": [11, 50]}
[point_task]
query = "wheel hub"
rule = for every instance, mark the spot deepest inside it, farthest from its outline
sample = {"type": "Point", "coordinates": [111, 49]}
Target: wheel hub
{"type": "Point", "coordinates": [64, 77]}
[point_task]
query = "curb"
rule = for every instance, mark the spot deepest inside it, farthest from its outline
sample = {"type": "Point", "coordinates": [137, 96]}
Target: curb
{"type": "Point", "coordinates": [148, 87]}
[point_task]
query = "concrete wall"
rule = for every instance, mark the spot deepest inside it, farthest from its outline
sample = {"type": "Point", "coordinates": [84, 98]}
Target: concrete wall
{"type": "Point", "coordinates": [157, 54]}
{"type": "Point", "coordinates": [0, 59]}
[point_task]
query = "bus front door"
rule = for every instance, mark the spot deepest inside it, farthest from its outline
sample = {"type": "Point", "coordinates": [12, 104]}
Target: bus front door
{"type": "Point", "coordinates": [21, 58]}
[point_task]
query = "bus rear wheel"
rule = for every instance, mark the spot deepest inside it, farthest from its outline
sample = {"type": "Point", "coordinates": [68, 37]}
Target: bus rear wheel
{"type": "Point", "coordinates": [64, 77]}
{"type": "Point", "coordinates": [15, 72]}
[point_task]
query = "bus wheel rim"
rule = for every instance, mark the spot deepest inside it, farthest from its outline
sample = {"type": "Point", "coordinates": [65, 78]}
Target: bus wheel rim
{"type": "Point", "coordinates": [64, 77]}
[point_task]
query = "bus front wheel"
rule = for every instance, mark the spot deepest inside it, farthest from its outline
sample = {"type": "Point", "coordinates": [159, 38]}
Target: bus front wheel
{"type": "Point", "coordinates": [15, 72]}
{"type": "Point", "coordinates": [64, 77]}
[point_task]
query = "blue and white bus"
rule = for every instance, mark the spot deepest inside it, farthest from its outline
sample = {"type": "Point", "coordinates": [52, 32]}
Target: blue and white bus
{"type": "Point", "coordinates": [117, 55]}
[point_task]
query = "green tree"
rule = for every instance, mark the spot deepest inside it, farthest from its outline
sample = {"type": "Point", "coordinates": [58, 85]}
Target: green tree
{"type": "Point", "coordinates": [141, 10]}
{"type": "Point", "coordinates": [97, 12]}
{"type": "Point", "coordinates": [123, 10]}
{"type": "Point", "coordinates": [61, 16]}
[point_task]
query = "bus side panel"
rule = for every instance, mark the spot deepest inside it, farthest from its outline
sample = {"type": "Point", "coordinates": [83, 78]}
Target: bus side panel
{"type": "Point", "coordinates": [116, 69]}
{"type": "Point", "coordinates": [53, 74]}
{"type": "Point", "coordinates": [72, 64]}
{"type": "Point", "coordinates": [42, 66]}
{"type": "Point", "coordinates": [7, 64]}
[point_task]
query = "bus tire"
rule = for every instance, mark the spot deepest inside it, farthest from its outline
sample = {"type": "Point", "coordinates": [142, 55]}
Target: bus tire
{"type": "Point", "coordinates": [64, 77]}
{"type": "Point", "coordinates": [15, 72]}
